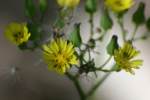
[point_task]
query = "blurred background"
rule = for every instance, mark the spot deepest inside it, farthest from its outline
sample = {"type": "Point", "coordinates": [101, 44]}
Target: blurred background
{"type": "Point", "coordinates": [23, 77]}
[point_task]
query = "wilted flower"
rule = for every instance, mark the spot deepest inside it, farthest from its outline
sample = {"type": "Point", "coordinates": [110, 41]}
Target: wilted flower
{"type": "Point", "coordinates": [124, 58]}
{"type": "Point", "coordinates": [68, 3]}
{"type": "Point", "coordinates": [17, 33]}
{"type": "Point", "coordinates": [119, 5]}
{"type": "Point", "coordinates": [59, 55]}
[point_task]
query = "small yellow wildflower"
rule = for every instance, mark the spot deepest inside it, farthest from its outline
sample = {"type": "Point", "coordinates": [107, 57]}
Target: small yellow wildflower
{"type": "Point", "coordinates": [59, 55]}
{"type": "Point", "coordinates": [124, 58]}
{"type": "Point", "coordinates": [17, 33]}
{"type": "Point", "coordinates": [119, 5]}
{"type": "Point", "coordinates": [68, 3]}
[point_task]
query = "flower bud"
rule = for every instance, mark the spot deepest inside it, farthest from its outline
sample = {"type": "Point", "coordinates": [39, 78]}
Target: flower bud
{"type": "Point", "coordinates": [68, 3]}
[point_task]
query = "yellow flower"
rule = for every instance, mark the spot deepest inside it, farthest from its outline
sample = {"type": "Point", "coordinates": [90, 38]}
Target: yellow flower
{"type": "Point", "coordinates": [59, 55]}
{"type": "Point", "coordinates": [119, 5]}
{"type": "Point", "coordinates": [124, 58]}
{"type": "Point", "coordinates": [17, 33]}
{"type": "Point", "coordinates": [68, 3]}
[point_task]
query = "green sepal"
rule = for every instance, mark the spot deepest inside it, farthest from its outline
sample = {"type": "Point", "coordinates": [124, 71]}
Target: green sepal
{"type": "Point", "coordinates": [113, 45]}
{"type": "Point", "coordinates": [75, 37]}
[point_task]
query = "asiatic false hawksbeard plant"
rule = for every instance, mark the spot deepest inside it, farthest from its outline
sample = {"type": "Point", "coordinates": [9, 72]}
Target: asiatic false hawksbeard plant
{"type": "Point", "coordinates": [64, 50]}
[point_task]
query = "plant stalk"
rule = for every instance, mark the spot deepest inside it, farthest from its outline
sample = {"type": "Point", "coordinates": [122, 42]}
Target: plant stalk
{"type": "Point", "coordinates": [77, 85]}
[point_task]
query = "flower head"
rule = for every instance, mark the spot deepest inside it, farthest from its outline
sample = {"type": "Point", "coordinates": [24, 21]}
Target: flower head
{"type": "Point", "coordinates": [59, 55]}
{"type": "Point", "coordinates": [68, 3]}
{"type": "Point", "coordinates": [124, 58]}
{"type": "Point", "coordinates": [17, 33]}
{"type": "Point", "coordinates": [119, 5]}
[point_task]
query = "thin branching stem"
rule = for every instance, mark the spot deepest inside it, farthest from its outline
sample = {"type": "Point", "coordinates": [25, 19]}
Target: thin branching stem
{"type": "Point", "coordinates": [134, 32]}
{"type": "Point", "coordinates": [91, 21]}
{"type": "Point", "coordinates": [99, 83]}
{"type": "Point", "coordinates": [124, 33]}
{"type": "Point", "coordinates": [77, 85]}
{"type": "Point", "coordinates": [106, 62]}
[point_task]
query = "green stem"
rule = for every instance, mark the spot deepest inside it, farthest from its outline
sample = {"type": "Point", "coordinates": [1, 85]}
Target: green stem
{"type": "Point", "coordinates": [105, 63]}
{"type": "Point", "coordinates": [42, 18]}
{"type": "Point", "coordinates": [99, 83]}
{"type": "Point", "coordinates": [141, 38]}
{"type": "Point", "coordinates": [120, 22]}
{"type": "Point", "coordinates": [77, 85]}
{"type": "Point", "coordinates": [95, 87]}
{"type": "Point", "coordinates": [105, 70]}
{"type": "Point", "coordinates": [134, 33]}
{"type": "Point", "coordinates": [91, 21]}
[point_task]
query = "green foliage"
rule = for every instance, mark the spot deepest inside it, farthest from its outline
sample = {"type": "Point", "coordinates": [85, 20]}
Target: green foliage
{"type": "Point", "coordinates": [91, 6]}
{"type": "Point", "coordinates": [106, 22]}
{"type": "Point", "coordinates": [60, 23]}
{"type": "Point", "coordinates": [113, 45]}
{"type": "Point", "coordinates": [33, 29]}
{"type": "Point", "coordinates": [75, 37]}
{"type": "Point", "coordinates": [29, 8]}
{"type": "Point", "coordinates": [139, 16]}
{"type": "Point", "coordinates": [148, 23]}
{"type": "Point", "coordinates": [43, 6]}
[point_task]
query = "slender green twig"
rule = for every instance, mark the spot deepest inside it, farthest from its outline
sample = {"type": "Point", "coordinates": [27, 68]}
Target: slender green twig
{"type": "Point", "coordinates": [77, 85]}
{"type": "Point", "coordinates": [120, 22]}
{"type": "Point", "coordinates": [105, 70]}
{"type": "Point", "coordinates": [99, 83]}
{"type": "Point", "coordinates": [141, 38]}
{"type": "Point", "coordinates": [91, 21]}
{"type": "Point", "coordinates": [134, 33]}
{"type": "Point", "coordinates": [106, 62]}
{"type": "Point", "coordinates": [42, 17]}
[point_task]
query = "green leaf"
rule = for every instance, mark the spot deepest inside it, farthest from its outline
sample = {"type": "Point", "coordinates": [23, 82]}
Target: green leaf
{"type": "Point", "coordinates": [91, 6]}
{"type": "Point", "coordinates": [148, 23]}
{"type": "Point", "coordinates": [29, 8]}
{"type": "Point", "coordinates": [60, 23]}
{"type": "Point", "coordinates": [139, 16]}
{"type": "Point", "coordinates": [75, 37]}
{"type": "Point", "coordinates": [113, 45]}
{"type": "Point", "coordinates": [33, 29]}
{"type": "Point", "coordinates": [106, 22]}
{"type": "Point", "coordinates": [43, 6]}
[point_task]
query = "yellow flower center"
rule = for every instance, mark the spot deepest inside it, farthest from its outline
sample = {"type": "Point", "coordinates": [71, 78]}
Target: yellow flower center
{"type": "Point", "coordinates": [59, 55]}
{"type": "Point", "coordinates": [61, 59]}
{"type": "Point", "coordinates": [18, 36]}
{"type": "Point", "coordinates": [118, 3]}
